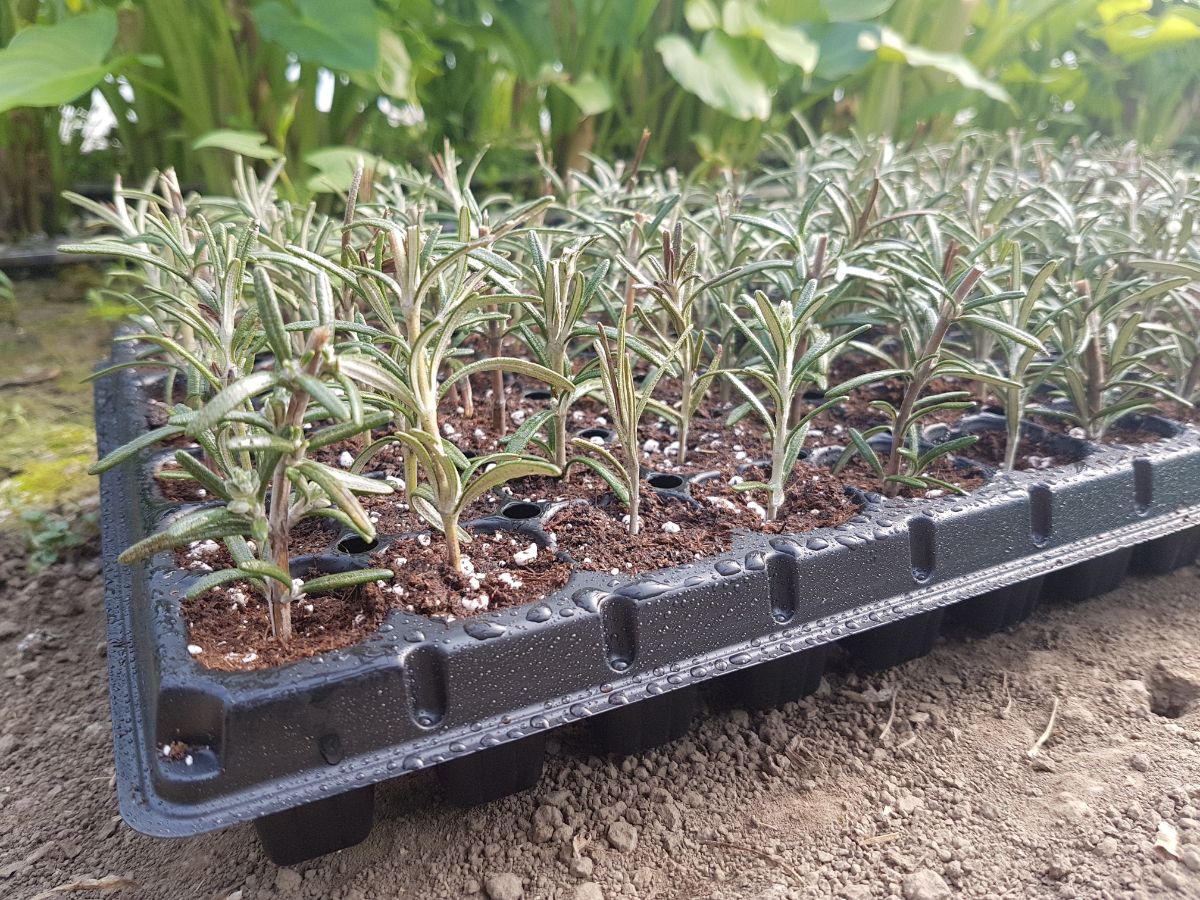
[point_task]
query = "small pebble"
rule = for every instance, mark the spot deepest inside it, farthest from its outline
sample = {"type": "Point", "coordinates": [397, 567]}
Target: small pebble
{"type": "Point", "coordinates": [526, 556]}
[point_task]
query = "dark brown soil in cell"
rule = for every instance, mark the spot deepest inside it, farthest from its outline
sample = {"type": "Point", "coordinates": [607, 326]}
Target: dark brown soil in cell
{"type": "Point", "coordinates": [232, 630]}
{"type": "Point", "coordinates": [968, 478]}
{"type": "Point", "coordinates": [1122, 434]}
{"type": "Point", "coordinates": [1031, 454]}
{"type": "Point", "coordinates": [179, 489]}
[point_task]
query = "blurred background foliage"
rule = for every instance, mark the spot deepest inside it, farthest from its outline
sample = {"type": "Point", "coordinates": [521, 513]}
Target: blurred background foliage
{"type": "Point", "coordinates": [89, 87]}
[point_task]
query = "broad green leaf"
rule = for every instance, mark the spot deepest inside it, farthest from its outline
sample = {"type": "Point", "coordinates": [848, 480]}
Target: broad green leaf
{"type": "Point", "coordinates": [250, 144]}
{"type": "Point", "coordinates": [342, 35]}
{"type": "Point", "coordinates": [336, 167]}
{"type": "Point", "coordinates": [1135, 37]}
{"type": "Point", "coordinates": [855, 10]}
{"type": "Point", "coordinates": [842, 53]}
{"type": "Point", "coordinates": [891, 47]}
{"type": "Point", "coordinates": [394, 75]}
{"type": "Point", "coordinates": [791, 45]}
{"type": "Point", "coordinates": [1111, 10]}
{"type": "Point", "coordinates": [590, 93]}
{"type": "Point", "coordinates": [49, 65]}
{"type": "Point", "coordinates": [720, 74]}
{"type": "Point", "coordinates": [702, 15]}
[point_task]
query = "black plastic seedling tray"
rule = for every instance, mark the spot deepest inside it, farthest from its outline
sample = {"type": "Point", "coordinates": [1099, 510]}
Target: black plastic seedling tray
{"type": "Point", "coordinates": [298, 749]}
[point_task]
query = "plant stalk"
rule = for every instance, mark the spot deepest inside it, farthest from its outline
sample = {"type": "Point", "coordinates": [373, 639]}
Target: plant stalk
{"type": "Point", "coordinates": [279, 597]}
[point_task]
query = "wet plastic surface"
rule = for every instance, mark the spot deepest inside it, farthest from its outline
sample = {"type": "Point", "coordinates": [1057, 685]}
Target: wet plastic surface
{"type": "Point", "coordinates": [476, 697]}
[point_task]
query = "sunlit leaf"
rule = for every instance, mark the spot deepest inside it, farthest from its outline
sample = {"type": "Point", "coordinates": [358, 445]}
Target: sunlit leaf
{"type": "Point", "coordinates": [342, 35]}
{"type": "Point", "coordinates": [250, 144]}
{"type": "Point", "coordinates": [49, 65]}
{"type": "Point", "coordinates": [720, 74]}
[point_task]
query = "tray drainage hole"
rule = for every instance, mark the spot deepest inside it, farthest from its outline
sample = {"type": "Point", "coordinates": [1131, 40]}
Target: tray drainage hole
{"type": "Point", "coordinates": [663, 482]}
{"type": "Point", "coordinates": [591, 434]}
{"type": "Point", "coordinates": [537, 394]}
{"type": "Point", "coordinates": [521, 510]}
{"type": "Point", "coordinates": [354, 544]}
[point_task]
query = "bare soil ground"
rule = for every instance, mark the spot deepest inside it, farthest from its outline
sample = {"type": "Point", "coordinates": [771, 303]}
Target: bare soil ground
{"type": "Point", "coordinates": [917, 783]}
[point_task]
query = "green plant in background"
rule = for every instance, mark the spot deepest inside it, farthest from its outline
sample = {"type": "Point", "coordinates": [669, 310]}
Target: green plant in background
{"type": "Point", "coordinates": [49, 536]}
{"type": "Point", "coordinates": [329, 86]}
{"type": "Point", "coordinates": [8, 301]}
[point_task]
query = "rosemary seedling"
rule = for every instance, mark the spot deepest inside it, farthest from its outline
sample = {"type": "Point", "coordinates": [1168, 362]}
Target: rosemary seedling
{"type": "Point", "coordinates": [627, 401]}
{"type": "Point", "coordinates": [793, 356]}
{"type": "Point", "coordinates": [259, 467]}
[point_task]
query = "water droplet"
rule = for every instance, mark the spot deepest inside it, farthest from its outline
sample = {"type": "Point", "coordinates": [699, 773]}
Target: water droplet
{"type": "Point", "coordinates": [540, 613]}
{"type": "Point", "coordinates": [588, 599]}
{"type": "Point", "coordinates": [643, 589]}
{"type": "Point", "coordinates": [756, 561]}
{"type": "Point", "coordinates": [783, 545]}
{"type": "Point", "coordinates": [483, 631]}
{"type": "Point", "coordinates": [414, 637]}
{"type": "Point", "coordinates": [728, 567]}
